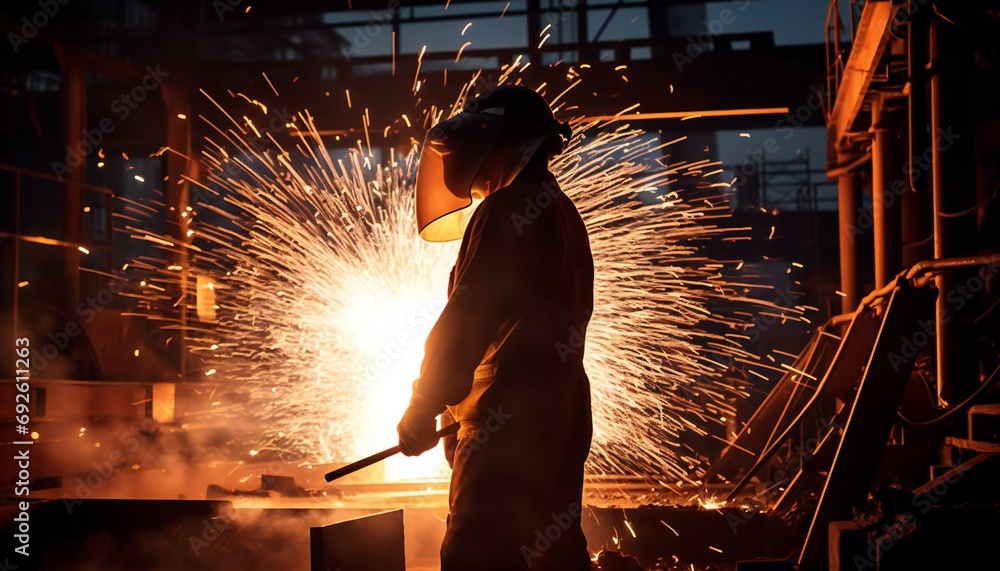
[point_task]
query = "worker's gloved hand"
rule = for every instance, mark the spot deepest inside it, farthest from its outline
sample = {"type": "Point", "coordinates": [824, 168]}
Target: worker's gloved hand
{"type": "Point", "coordinates": [418, 427]}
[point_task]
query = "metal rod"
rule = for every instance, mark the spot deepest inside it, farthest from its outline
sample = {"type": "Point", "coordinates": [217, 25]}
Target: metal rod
{"type": "Point", "coordinates": [379, 456]}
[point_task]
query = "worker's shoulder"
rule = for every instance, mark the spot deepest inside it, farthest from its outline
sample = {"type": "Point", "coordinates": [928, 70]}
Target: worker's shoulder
{"type": "Point", "coordinates": [527, 199]}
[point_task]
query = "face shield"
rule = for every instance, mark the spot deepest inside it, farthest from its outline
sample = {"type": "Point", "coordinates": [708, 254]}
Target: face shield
{"type": "Point", "coordinates": [463, 160]}
{"type": "Point", "coordinates": [451, 158]}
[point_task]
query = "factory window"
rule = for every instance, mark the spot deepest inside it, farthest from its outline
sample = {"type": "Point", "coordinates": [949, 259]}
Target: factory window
{"type": "Point", "coordinates": [364, 69]}
{"type": "Point", "coordinates": [623, 24]}
{"type": "Point", "coordinates": [640, 53]}
{"type": "Point", "coordinates": [559, 24]}
{"type": "Point", "coordinates": [446, 36]}
{"type": "Point", "coordinates": [42, 82]}
{"type": "Point", "coordinates": [793, 23]}
{"type": "Point", "coordinates": [364, 39]}
{"type": "Point", "coordinates": [549, 58]}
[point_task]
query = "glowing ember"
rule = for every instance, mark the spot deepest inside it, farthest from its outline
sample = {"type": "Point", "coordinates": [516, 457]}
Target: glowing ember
{"type": "Point", "coordinates": [325, 293]}
{"type": "Point", "coordinates": [711, 503]}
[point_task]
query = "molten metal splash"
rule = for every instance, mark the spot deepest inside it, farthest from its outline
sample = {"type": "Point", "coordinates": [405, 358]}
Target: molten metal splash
{"type": "Point", "coordinates": [325, 293]}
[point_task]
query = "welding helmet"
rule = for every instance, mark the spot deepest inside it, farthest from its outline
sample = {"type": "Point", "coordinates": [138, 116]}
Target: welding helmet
{"type": "Point", "coordinates": [477, 152]}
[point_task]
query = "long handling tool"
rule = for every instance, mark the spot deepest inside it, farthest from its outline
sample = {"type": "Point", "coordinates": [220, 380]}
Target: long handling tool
{"type": "Point", "coordinates": [379, 456]}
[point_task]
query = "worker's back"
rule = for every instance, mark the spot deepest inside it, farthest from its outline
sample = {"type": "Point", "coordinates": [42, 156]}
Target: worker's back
{"type": "Point", "coordinates": [526, 424]}
{"type": "Point", "coordinates": [545, 333]}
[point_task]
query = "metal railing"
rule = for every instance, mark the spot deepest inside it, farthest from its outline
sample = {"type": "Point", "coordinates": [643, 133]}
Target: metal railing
{"type": "Point", "coordinates": [836, 51]}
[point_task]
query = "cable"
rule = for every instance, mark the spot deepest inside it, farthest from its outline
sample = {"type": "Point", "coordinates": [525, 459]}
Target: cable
{"type": "Point", "coordinates": [937, 12]}
{"type": "Point", "coordinates": [926, 240]}
{"type": "Point", "coordinates": [972, 209]}
{"type": "Point", "coordinates": [987, 385]}
{"type": "Point", "coordinates": [987, 312]}
{"type": "Point", "coordinates": [983, 388]}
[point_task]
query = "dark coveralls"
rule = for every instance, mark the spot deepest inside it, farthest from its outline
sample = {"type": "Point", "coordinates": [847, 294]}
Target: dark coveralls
{"type": "Point", "coordinates": [506, 356]}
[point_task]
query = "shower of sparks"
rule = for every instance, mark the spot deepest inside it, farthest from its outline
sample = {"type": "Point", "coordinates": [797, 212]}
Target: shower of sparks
{"type": "Point", "coordinates": [323, 292]}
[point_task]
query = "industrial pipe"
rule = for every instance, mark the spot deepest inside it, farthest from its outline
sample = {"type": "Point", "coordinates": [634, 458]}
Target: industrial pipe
{"type": "Point", "coordinates": [887, 187]}
{"type": "Point", "coordinates": [918, 227]}
{"type": "Point", "coordinates": [928, 267]}
{"type": "Point", "coordinates": [916, 62]}
{"type": "Point", "coordinates": [953, 175]}
{"type": "Point", "coordinates": [848, 206]}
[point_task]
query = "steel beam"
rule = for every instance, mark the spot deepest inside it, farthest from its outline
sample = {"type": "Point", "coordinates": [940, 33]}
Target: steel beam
{"type": "Point", "coordinates": [866, 51]}
{"type": "Point", "coordinates": [74, 103]}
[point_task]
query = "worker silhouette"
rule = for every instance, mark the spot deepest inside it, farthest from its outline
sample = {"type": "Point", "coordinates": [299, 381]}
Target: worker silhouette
{"type": "Point", "coordinates": [505, 358]}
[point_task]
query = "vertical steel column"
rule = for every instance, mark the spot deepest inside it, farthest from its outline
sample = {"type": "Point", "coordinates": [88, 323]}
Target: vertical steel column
{"type": "Point", "coordinates": [848, 206]}
{"type": "Point", "coordinates": [74, 105]}
{"type": "Point", "coordinates": [582, 29]}
{"type": "Point", "coordinates": [887, 190]}
{"type": "Point", "coordinates": [534, 29]}
{"type": "Point", "coordinates": [953, 175]}
{"type": "Point", "coordinates": [583, 33]}
{"type": "Point", "coordinates": [918, 223]}
{"type": "Point", "coordinates": [178, 102]}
